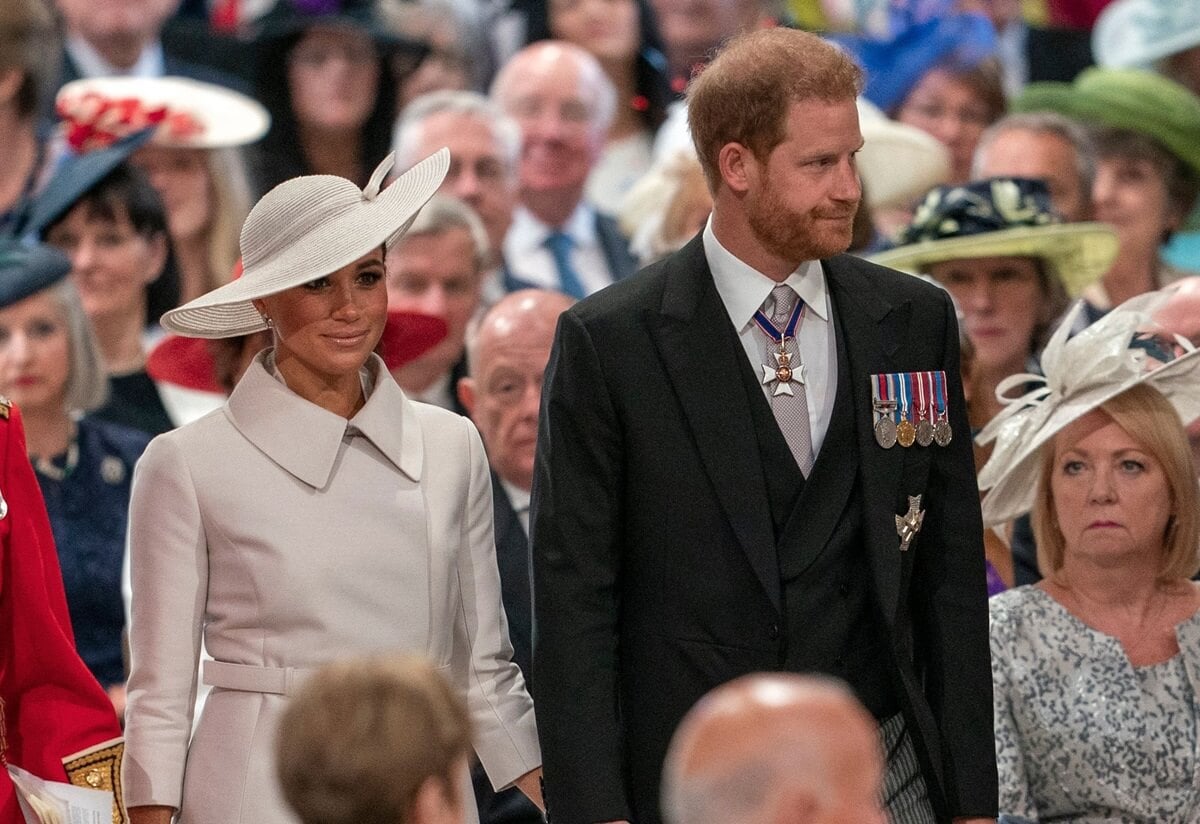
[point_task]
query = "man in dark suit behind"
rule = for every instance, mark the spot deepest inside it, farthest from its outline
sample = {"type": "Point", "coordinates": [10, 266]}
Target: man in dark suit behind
{"type": "Point", "coordinates": [506, 358]}
{"type": "Point", "coordinates": [711, 501]}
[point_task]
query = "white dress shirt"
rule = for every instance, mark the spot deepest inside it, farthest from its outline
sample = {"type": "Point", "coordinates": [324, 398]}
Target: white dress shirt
{"type": "Point", "coordinates": [529, 260]}
{"type": "Point", "coordinates": [91, 63]}
{"type": "Point", "coordinates": [519, 498]}
{"type": "Point", "coordinates": [743, 290]}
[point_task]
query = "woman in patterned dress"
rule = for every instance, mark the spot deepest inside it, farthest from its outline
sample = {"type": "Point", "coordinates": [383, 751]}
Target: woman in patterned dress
{"type": "Point", "coordinates": [1097, 667]}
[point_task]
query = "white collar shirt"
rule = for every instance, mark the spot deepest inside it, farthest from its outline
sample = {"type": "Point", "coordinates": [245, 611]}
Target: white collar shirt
{"type": "Point", "coordinates": [529, 260]}
{"type": "Point", "coordinates": [744, 289]}
{"type": "Point", "coordinates": [91, 63]}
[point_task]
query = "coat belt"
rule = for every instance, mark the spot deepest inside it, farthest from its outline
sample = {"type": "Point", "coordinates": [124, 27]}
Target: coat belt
{"type": "Point", "coordinates": [255, 678]}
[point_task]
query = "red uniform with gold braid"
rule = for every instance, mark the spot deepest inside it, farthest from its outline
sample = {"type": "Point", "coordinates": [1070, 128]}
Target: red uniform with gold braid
{"type": "Point", "coordinates": [55, 720]}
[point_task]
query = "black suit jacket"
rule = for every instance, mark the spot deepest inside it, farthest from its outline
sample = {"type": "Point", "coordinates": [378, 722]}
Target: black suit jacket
{"type": "Point", "coordinates": [656, 572]}
{"type": "Point", "coordinates": [512, 556]}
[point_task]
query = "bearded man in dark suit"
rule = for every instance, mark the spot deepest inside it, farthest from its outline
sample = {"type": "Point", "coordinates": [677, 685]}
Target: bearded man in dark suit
{"type": "Point", "coordinates": [754, 456]}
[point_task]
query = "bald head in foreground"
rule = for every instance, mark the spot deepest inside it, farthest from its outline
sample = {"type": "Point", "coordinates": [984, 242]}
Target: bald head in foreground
{"type": "Point", "coordinates": [775, 749]}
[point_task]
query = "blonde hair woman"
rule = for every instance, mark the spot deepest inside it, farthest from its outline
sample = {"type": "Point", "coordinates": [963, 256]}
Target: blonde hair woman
{"type": "Point", "coordinates": [1096, 700]}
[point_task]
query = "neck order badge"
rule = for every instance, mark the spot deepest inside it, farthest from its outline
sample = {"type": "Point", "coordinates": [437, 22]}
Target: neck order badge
{"type": "Point", "coordinates": [784, 372]}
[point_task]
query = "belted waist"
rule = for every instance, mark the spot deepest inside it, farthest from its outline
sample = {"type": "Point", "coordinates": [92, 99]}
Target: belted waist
{"type": "Point", "coordinates": [255, 678]}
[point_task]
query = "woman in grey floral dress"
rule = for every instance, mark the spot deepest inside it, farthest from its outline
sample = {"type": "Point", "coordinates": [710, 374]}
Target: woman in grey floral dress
{"type": "Point", "coordinates": [1097, 667]}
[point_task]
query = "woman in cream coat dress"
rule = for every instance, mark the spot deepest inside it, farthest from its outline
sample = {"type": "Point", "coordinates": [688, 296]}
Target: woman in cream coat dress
{"type": "Point", "coordinates": [319, 514]}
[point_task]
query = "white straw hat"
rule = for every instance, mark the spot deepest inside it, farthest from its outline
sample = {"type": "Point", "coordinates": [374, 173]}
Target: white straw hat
{"type": "Point", "coordinates": [189, 113]}
{"type": "Point", "coordinates": [898, 163]}
{"type": "Point", "coordinates": [306, 228]}
{"type": "Point", "coordinates": [1082, 373]}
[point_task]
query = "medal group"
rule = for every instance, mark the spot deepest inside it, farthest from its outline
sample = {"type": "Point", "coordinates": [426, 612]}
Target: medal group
{"type": "Point", "coordinates": [910, 408]}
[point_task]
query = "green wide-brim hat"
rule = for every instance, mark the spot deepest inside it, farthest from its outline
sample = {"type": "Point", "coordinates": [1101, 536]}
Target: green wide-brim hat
{"type": "Point", "coordinates": [1077, 254]}
{"type": "Point", "coordinates": [1002, 217]}
{"type": "Point", "coordinates": [1135, 99]}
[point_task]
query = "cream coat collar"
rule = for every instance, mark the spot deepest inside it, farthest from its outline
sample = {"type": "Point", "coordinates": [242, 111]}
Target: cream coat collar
{"type": "Point", "coordinates": [305, 439]}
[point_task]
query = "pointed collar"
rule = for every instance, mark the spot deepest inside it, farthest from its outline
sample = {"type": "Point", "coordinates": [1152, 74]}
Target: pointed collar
{"type": "Point", "coordinates": [304, 438]}
{"type": "Point", "coordinates": [744, 289]}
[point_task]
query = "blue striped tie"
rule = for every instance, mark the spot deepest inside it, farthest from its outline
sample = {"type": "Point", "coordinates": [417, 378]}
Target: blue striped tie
{"type": "Point", "coordinates": [560, 244]}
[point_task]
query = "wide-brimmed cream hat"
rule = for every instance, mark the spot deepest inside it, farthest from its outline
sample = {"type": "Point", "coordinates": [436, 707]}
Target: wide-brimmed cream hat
{"type": "Point", "coordinates": [1002, 217]}
{"type": "Point", "coordinates": [306, 228]}
{"type": "Point", "coordinates": [1081, 374]}
{"type": "Point", "coordinates": [188, 113]}
{"type": "Point", "coordinates": [898, 163]}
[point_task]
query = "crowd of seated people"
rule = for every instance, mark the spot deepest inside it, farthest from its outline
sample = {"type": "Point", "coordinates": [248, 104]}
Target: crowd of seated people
{"type": "Point", "coordinates": [1053, 200]}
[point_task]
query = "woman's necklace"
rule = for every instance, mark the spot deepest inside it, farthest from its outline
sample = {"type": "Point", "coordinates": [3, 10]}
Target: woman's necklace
{"type": "Point", "coordinates": [49, 468]}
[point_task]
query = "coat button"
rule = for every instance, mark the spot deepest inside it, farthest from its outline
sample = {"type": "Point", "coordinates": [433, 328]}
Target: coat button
{"type": "Point", "coordinates": [774, 631]}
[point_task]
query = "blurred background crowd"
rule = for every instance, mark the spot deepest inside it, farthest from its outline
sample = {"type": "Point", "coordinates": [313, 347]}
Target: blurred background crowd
{"type": "Point", "coordinates": [1021, 153]}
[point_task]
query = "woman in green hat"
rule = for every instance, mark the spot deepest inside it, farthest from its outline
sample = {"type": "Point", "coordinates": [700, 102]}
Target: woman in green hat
{"type": "Point", "coordinates": [1147, 131]}
{"type": "Point", "coordinates": [1011, 265]}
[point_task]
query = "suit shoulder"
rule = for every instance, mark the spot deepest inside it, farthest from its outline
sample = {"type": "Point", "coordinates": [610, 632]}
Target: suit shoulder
{"type": "Point", "coordinates": [892, 278]}
{"type": "Point", "coordinates": [624, 300]}
{"type": "Point", "coordinates": [892, 281]}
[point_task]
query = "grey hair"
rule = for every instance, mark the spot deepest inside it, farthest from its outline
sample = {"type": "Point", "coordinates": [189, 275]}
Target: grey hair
{"type": "Point", "coordinates": [1051, 123]}
{"type": "Point", "coordinates": [87, 380]}
{"type": "Point", "coordinates": [598, 91]}
{"type": "Point", "coordinates": [443, 213]}
{"type": "Point", "coordinates": [407, 132]}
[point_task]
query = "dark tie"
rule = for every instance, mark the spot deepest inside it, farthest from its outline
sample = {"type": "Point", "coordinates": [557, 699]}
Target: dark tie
{"type": "Point", "coordinates": [560, 244]}
{"type": "Point", "coordinates": [791, 411]}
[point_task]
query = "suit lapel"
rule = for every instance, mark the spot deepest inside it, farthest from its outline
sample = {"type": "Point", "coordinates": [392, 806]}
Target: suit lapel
{"type": "Point", "coordinates": [873, 330]}
{"type": "Point", "coordinates": [702, 356]}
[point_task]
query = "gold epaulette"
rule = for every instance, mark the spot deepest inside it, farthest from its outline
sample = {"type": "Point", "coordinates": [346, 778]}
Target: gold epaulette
{"type": "Point", "coordinates": [5, 407]}
{"type": "Point", "coordinates": [99, 768]}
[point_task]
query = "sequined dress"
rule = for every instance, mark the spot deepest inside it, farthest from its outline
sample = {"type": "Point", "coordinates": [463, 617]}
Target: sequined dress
{"type": "Point", "coordinates": [1081, 734]}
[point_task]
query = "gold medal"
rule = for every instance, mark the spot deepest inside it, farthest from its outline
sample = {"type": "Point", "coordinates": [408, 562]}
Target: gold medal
{"type": "Point", "coordinates": [906, 433]}
{"type": "Point", "coordinates": [924, 432]}
{"type": "Point", "coordinates": [942, 433]}
{"type": "Point", "coordinates": [885, 432]}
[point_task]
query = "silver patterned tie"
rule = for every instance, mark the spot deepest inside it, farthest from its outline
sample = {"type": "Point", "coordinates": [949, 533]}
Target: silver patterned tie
{"type": "Point", "coordinates": [791, 411]}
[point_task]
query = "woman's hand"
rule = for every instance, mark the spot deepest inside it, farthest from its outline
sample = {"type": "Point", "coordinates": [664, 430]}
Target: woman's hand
{"type": "Point", "coordinates": [531, 784]}
{"type": "Point", "coordinates": [150, 815]}
{"type": "Point", "coordinates": [116, 694]}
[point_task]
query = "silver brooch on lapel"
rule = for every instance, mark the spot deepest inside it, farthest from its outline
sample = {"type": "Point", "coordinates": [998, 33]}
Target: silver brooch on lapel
{"type": "Point", "coordinates": [908, 526]}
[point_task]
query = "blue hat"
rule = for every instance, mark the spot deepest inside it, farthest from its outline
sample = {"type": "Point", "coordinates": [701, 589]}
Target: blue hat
{"type": "Point", "coordinates": [74, 177]}
{"type": "Point", "coordinates": [28, 268]}
{"type": "Point", "coordinates": [895, 61]}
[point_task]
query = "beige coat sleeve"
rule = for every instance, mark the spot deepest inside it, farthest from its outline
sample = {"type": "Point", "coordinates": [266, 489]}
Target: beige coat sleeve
{"type": "Point", "coordinates": [169, 573]}
{"type": "Point", "coordinates": [501, 709]}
